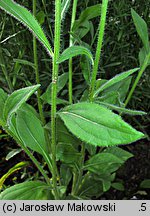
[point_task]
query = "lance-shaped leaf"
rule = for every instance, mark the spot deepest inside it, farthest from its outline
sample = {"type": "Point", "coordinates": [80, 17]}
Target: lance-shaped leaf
{"type": "Point", "coordinates": [141, 28]}
{"type": "Point", "coordinates": [27, 19]}
{"type": "Point", "coordinates": [88, 14]}
{"type": "Point", "coordinates": [115, 80]}
{"type": "Point", "coordinates": [75, 51]}
{"type": "Point", "coordinates": [122, 109]}
{"type": "Point", "coordinates": [32, 190]}
{"type": "Point", "coordinates": [97, 125]}
{"type": "Point", "coordinates": [64, 7]}
{"type": "Point", "coordinates": [17, 98]}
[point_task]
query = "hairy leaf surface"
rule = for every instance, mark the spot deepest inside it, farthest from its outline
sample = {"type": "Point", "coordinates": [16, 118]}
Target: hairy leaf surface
{"type": "Point", "coordinates": [17, 99]}
{"type": "Point", "coordinates": [115, 79]}
{"type": "Point", "coordinates": [75, 51]}
{"type": "Point", "coordinates": [141, 28]}
{"type": "Point", "coordinates": [27, 19]}
{"type": "Point", "coordinates": [32, 190]}
{"type": "Point", "coordinates": [97, 125]}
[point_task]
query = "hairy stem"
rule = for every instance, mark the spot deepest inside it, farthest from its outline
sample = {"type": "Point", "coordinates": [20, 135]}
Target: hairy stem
{"type": "Point", "coordinates": [144, 66]}
{"type": "Point", "coordinates": [74, 9]}
{"type": "Point", "coordinates": [54, 92]}
{"type": "Point", "coordinates": [99, 47]}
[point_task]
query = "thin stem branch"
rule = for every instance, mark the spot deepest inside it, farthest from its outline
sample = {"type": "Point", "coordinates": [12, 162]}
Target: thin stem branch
{"type": "Point", "coordinates": [74, 9]}
{"type": "Point", "coordinates": [144, 66]}
{"type": "Point", "coordinates": [54, 92]}
{"type": "Point", "coordinates": [99, 47]}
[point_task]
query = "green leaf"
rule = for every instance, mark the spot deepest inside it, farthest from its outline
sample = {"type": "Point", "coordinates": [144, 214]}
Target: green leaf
{"type": "Point", "coordinates": [102, 163]}
{"type": "Point", "coordinates": [13, 153]}
{"type": "Point", "coordinates": [64, 7]}
{"type": "Point", "coordinates": [115, 80]}
{"type": "Point", "coordinates": [32, 190]}
{"type": "Point", "coordinates": [90, 187]}
{"type": "Point", "coordinates": [83, 30]}
{"type": "Point", "coordinates": [40, 17]}
{"type": "Point", "coordinates": [115, 93]}
{"type": "Point", "coordinates": [142, 56]}
{"type": "Point", "coordinates": [118, 186]}
{"type": "Point", "coordinates": [26, 18]}
{"type": "Point", "coordinates": [111, 97]}
{"type": "Point", "coordinates": [17, 98]}
{"type": "Point", "coordinates": [119, 152]}
{"type": "Point", "coordinates": [62, 81]}
{"type": "Point", "coordinates": [12, 125]}
{"type": "Point", "coordinates": [122, 110]}
{"type": "Point", "coordinates": [85, 67]}
{"type": "Point", "coordinates": [3, 97]}
{"type": "Point", "coordinates": [65, 174]}
{"type": "Point", "coordinates": [64, 136]}
{"type": "Point", "coordinates": [67, 153]}
{"type": "Point", "coordinates": [74, 51]}
{"type": "Point", "coordinates": [31, 132]}
{"type": "Point", "coordinates": [145, 183]}
{"type": "Point", "coordinates": [141, 28]}
{"type": "Point", "coordinates": [97, 125]}
{"type": "Point", "coordinates": [15, 168]}
{"type": "Point", "coordinates": [88, 14]}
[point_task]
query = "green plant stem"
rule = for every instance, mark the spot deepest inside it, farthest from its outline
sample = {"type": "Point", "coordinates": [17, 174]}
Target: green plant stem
{"type": "Point", "coordinates": [74, 9]}
{"type": "Point", "coordinates": [144, 66]}
{"type": "Point", "coordinates": [54, 92]}
{"type": "Point", "coordinates": [2, 63]}
{"type": "Point", "coordinates": [99, 47]}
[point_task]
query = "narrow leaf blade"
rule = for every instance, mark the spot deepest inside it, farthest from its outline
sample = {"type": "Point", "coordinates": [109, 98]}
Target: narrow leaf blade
{"type": "Point", "coordinates": [74, 51]}
{"type": "Point", "coordinates": [64, 7]}
{"type": "Point", "coordinates": [26, 18]}
{"type": "Point", "coordinates": [141, 28]}
{"type": "Point", "coordinates": [122, 110]}
{"type": "Point", "coordinates": [115, 79]}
